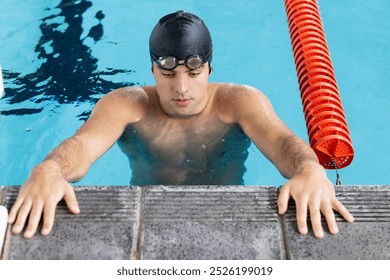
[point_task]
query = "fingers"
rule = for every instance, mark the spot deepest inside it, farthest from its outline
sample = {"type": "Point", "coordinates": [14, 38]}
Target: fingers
{"type": "Point", "coordinates": [33, 221]}
{"type": "Point", "coordinates": [327, 209]}
{"type": "Point", "coordinates": [330, 216]}
{"type": "Point", "coordinates": [71, 200]}
{"type": "Point", "coordinates": [301, 216]}
{"type": "Point", "coordinates": [284, 196]}
{"type": "Point", "coordinates": [330, 219]}
{"type": "Point", "coordinates": [48, 218]}
{"type": "Point", "coordinates": [20, 214]}
{"type": "Point", "coordinates": [315, 218]}
{"type": "Point", "coordinates": [301, 208]}
{"type": "Point", "coordinates": [339, 207]}
{"type": "Point", "coordinates": [14, 211]}
{"type": "Point", "coordinates": [31, 209]}
{"type": "Point", "coordinates": [50, 208]}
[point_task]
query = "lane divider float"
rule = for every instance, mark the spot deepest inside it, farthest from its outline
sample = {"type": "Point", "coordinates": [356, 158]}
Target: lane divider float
{"type": "Point", "coordinates": [326, 123]}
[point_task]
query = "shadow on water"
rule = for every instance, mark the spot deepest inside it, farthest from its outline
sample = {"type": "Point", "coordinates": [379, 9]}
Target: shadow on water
{"type": "Point", "coordinates": [69, 72]}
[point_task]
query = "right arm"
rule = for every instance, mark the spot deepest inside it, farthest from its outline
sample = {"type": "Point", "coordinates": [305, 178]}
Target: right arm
{"type": "Point", "coordinates": [70, 161]}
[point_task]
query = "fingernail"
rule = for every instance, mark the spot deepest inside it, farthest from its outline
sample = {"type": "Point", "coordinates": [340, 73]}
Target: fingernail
{"type": "Point", "coordinates": [16, 229]}
{"type": "Point", "coordinates": [74, 206]}
{"type": "Point", "coordinates": [319, 233]}
{"type": "Point", "coordinates": [282, 210]}
{"type": "Point", "coordinates": [27, 234]}
{"type": "Point", "coordinates": [334, 230]}
{"type": "Point", "coordinates": [303, 230]}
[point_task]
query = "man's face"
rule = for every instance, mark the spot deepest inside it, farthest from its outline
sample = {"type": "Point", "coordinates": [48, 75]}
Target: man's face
{"type": "Point", "coordinates": [182, 92]}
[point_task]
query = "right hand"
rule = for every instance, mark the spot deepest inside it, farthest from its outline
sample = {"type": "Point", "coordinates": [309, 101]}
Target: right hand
{"type": "Point", "coordinates": [41, 194]}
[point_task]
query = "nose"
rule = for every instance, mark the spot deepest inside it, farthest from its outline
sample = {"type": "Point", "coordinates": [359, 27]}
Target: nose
{"type": "Point", "coordinates": [181, 85]}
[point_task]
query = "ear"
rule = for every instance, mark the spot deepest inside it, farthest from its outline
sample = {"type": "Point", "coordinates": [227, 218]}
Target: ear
{"type": "Point", "coordinates": [210, 69]}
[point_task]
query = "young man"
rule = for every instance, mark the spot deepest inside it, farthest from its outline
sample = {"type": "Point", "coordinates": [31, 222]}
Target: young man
{"type": "Point", "coordinates": [183, 130]}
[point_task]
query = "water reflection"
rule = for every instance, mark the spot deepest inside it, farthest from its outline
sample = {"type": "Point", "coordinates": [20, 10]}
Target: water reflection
{"type": "Point", "coordinates": [68, 73]}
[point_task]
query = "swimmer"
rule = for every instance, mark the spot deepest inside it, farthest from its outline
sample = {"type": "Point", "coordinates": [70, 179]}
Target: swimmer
{"type": "Point", "coordinates": [181, 131]}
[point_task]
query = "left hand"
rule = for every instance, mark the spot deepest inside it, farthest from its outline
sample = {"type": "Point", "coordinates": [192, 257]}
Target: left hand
{"type": "Point", "coordinates": [312, 190]}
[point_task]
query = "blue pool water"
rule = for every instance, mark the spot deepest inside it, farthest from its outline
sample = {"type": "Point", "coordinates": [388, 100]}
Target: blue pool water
{"type": "Point", "coordinates": [59, 57]}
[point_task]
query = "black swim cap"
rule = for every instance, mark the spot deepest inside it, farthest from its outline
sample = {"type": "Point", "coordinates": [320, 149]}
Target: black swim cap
{"type": "Point", "coordinates": [181, 34]}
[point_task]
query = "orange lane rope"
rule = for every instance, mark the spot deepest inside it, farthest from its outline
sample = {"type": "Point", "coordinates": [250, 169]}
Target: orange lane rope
{"type": "Point", "coordinates": [324, 114]}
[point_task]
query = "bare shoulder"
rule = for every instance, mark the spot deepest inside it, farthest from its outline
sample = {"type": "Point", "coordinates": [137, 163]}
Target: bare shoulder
{"type": "Point", "coordinates": [123, 105]}
{"type": "Point", "coordinates": [235, 102]}
{"type": "Point", "coordinates": [127, 95]}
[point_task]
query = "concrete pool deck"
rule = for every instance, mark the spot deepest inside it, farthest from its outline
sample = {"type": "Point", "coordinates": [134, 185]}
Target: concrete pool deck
{"type": "Point", "coordinates": [201, 222]}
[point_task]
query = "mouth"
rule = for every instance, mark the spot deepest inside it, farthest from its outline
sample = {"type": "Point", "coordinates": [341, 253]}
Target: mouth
{"type": "Point", "coordinates": [182, 102]}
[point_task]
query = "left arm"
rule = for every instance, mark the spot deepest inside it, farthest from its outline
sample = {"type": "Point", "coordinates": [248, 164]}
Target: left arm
{"type": "Point", "coordinates": [308, 184]}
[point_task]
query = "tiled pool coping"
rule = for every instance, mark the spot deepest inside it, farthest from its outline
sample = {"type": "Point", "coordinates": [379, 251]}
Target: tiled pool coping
{"type": "Point", "coordinates": [201, 222]}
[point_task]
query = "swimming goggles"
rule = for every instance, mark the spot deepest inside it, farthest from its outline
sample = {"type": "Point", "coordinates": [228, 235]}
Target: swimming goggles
{"type": "Point", "coordinates": [192, 62]}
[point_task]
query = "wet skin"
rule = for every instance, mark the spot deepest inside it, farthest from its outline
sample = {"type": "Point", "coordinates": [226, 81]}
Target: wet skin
{"type": "Point", "coordinates": [183, 130]}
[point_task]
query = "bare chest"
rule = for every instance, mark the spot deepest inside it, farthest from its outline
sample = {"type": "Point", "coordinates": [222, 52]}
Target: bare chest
{"type": "Point", "coordinates": [180, 143]}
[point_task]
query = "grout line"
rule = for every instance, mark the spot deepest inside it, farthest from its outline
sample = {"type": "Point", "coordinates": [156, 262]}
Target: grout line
{"type": "Point", "coordinates": [285, 246]}
{"type": "Point", "coordinates": [136, 244]}
{"type": "Point", "coordinates": [282, 223]}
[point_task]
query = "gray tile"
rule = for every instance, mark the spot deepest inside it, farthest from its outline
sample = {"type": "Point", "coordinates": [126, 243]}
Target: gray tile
{"type": "Point", "coordinates": [76, 240]}
{"type": "Point", "coordinates": [211, 240]}
{"type": "Point", "coordinates": [367, 238]}
{"type": "Point", "coordinates": [202, 223]}
{"type": "Point", "coordinates": [356, 241]}
{"type": "Point", "coordinates": [103, 230]}
{"type": "Point", "coordinates": [210, 223]}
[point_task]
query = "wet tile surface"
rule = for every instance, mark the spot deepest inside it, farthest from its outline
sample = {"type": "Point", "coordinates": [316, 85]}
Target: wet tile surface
{"type": "Point", "coordinates": [359, 240]}
{"type": "Point", "coordinates": [210, 223]}
{"type": "Point", "coordinates": [76, 240]}
{"type": "Point", "coordinates": [103, 230]}
{"type": "Point", "coordinates": [211, 240]}
{"type": "Point", "coordinates": [188, 222]}
{"type": "Point", "coordinates": [367, 238]}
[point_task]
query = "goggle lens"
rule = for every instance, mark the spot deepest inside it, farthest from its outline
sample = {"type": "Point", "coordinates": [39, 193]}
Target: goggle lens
{"type": "Point", "coordinates": [169, 62]}
{"type": "Point", "coordinates": [194, 62]}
